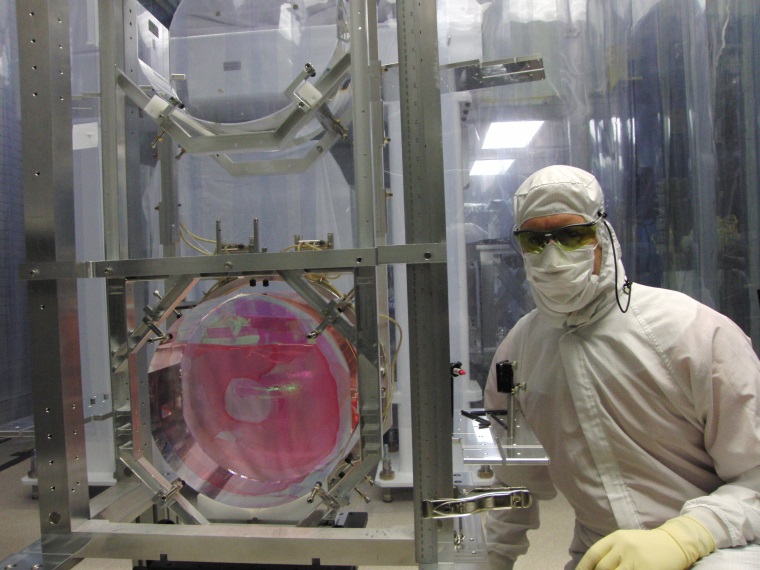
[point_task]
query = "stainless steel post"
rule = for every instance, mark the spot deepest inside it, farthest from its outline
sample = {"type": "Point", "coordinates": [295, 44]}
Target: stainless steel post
{"type": "Point", "coordinates": [112, 125]}
{"type": "Point", "coordinates": [44, 58]}
{"type": "Point", "coordinates": [168, 215]}
{"type": "Point", "coordinates": [365, 87]}
{"type": "Point", "coordinates": [368, 133]}
{"type": "Point", "coordinates": [426, 284]}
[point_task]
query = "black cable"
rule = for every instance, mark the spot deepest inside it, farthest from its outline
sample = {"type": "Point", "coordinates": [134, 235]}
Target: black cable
{"type": "Point", "coordinates": [627, 283]}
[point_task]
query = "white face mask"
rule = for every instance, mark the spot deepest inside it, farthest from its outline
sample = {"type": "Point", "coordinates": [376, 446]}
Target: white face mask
{"type": "Point", "coordinates": [562, 281]}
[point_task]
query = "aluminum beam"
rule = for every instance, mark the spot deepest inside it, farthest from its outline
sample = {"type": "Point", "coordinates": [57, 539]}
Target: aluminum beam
{"type": "Point", "coordinates": [424, 205]}
{"type": "Point", "coordinates": [113, 127]}
{"type": "Point", "coordinates": [248, 543]}
{"type": "Point", "coordinates": [238, 264]}
{"type": "Point", "coordinates": [43, 35]}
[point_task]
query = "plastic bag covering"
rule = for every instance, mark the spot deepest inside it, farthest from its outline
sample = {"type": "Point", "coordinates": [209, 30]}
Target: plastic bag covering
{"type": "Point", "coordinates": [15, 388]}
{"type": "Point", "coordinates": [232, 60]}
{"type": "Point", "coordinates": [244, 408]}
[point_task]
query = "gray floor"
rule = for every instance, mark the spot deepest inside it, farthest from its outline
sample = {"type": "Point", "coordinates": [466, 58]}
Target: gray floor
{"type": "Point", "coordinates": [19, 523]}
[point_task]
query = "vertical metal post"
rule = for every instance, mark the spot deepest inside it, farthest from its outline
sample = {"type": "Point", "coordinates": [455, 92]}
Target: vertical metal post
{"type": "Point", "coordinates": [367, 142]}
{"type": "Point", "coordinates": [131, 420]}
{"type": "Point", "coordinates": [112, 118]}
{"type": "Point", "coordinates": [114, 18]}
{"type": "Point", "coordinates": [368, 134]}
{"type": "Point", "coordinates": [426, 284]}
{"type": "Point", "coordinates": [45, 89]}
{"type": "Point", "coordinates": [132, 230]}
{"type": "Point", "coordinates": [168, 215]}
{"type": "Point", "coordinates": [118, 325]}
{"type": "Point", "coordinates": [370, 400]}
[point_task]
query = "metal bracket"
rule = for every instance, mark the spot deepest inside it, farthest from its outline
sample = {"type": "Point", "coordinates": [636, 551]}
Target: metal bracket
{"type": "Point", "coordinates": [159, 334]}
{"type": "Point", "coordinates": [155, 316]}
{"type": "Point", "coordinates": [166, 493]}
{"type": "Point", "coordinates": [331, 123]}
{"type": "Point", "coordinates": [318, 491]}
{"type": "Point", "coordinates": [195, 137]}
{"type": "Point", "coordinates": [473, 75]}
{"type": "Point", "coordinates": [167, 497]}
{"type": "Point", "coordinates": [479, 417]}
{"type": "Point", "coordinates": [332, 311]}
{"type": "Point", "coordinates": [477, 500]}
{"type": "Point", "coordinates": [303, 93]}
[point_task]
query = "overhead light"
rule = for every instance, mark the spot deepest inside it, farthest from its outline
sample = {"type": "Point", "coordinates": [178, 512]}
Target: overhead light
{"type": "Point", "coordinates": [490, 167]}
{"type": "Point", "coordinates": [511, 134]}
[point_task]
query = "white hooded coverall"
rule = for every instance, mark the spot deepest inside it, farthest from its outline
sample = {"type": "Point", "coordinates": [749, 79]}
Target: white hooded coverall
{"type": "Point", "coordinates": [644, 415]}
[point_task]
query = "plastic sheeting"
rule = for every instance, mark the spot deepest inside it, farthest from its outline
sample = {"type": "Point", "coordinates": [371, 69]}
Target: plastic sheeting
{"type": "Point", "coordinates": [232, 60]}
{"type": "Point", "coordinates": [657, 99]}
{"type": "Point", "coordinates": [15, 391]}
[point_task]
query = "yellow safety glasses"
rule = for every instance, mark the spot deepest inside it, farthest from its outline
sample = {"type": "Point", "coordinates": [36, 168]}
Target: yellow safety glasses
{"type": "Point", "coordinates": [567, 238]}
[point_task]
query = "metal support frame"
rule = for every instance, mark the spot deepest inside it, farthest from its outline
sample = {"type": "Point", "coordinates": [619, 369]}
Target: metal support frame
{"type": "Point", "coordinates": [112, 120]}
{"type": "Point", "coordinates": [426, 285]}
{"type": "Point", "coordinates": [196, 137]}
{"type": "Point", "coordinates": [244, 543]}
{"type": "Point", "coordinates": [52, 271]}
{"type": "Point", "coordinates": [43, 32]}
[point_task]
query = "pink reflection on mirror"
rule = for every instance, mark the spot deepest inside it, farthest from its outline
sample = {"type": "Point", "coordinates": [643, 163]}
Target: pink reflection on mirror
{"type": "Point", "coordinates": [245, 409]}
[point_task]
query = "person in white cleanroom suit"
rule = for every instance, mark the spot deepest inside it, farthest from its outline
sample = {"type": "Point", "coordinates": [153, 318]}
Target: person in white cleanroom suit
{"type": "Point", "coordinates": [646, 401]}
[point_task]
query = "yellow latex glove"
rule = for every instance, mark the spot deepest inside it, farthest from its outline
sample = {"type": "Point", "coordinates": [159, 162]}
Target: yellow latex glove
{"type": "Point", "coordinates": [675, 545]}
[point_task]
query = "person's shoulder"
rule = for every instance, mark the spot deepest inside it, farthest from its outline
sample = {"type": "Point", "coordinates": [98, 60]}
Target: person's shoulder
{"type": "Point", "coordinates": [516, 337]}
{"type": "Point", "coordinates": [526, 322]}
{"type": "Point", "coordinates": [667, 306]}
{"type": "Point", "coordinates": [663, 300]}
{"type": "Point", "coordinates": [525, 330]}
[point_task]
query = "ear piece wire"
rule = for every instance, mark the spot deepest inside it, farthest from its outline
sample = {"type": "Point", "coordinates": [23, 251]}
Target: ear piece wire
{"type": "Point", "coordinates": [627, 283]}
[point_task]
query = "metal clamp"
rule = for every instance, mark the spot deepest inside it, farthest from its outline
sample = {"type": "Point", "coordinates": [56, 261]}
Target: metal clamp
{"type": "Point", "coordinates": [477, 500]}
{"type": "Point", "coordinates": [331, 123]}
{"type": "Point", "coordinates": [318, 491]}
{"type": "Point", "coordinates": [305, 95]}
{"type": "Point", "coordinates": [332, 311]}
{"type": "Point", "coordinates": [165, 493]}
{"type": "Point", "coordinates": [168, 497]}
{"type": "Point", "coordinates": [160, 335]}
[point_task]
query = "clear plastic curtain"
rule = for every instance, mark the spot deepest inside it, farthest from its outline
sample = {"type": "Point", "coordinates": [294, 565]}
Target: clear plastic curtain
{"type": "Point", "coordinates": [657, 99]}
{"type": "Point", "coordinates": [15, 391]}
